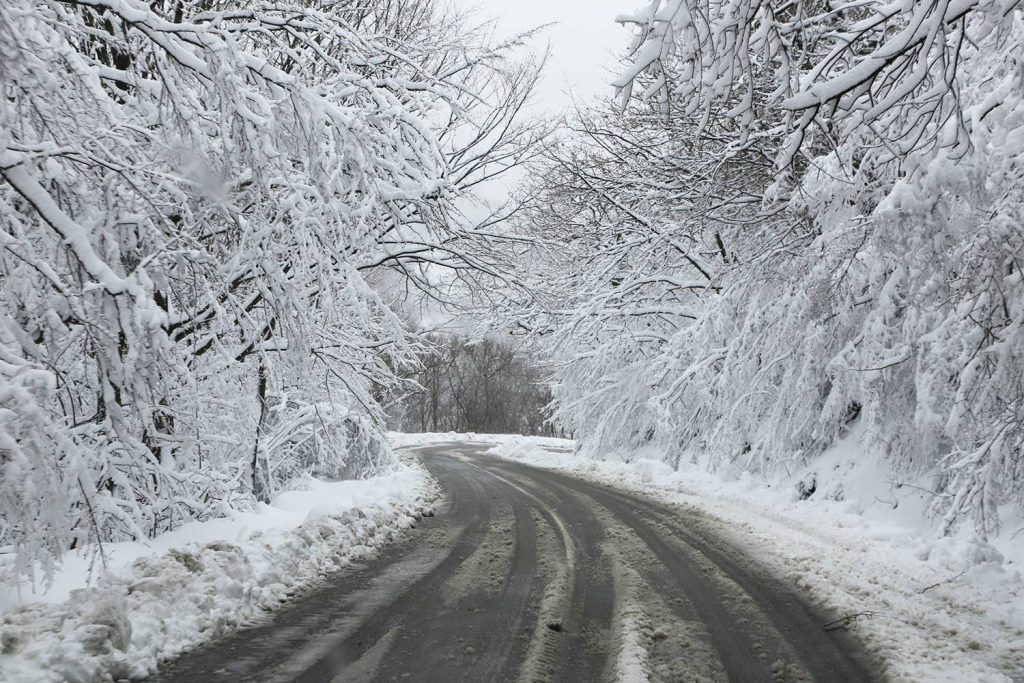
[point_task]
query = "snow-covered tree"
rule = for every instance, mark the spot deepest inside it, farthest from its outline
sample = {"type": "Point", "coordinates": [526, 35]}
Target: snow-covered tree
{"type": "Point", "coordinates": [862, 250]}
{"type": "Point", "coordinates": [196, 196]}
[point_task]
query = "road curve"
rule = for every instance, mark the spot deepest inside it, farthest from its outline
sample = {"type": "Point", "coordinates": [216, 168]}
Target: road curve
{"type": "Point", "coordinates": [530, 575]}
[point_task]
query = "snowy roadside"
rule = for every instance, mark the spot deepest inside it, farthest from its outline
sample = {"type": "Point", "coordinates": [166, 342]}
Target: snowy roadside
{"type": "Point", "coordinates": [199, 581]}
{"type": "Point", "coordinates": [928, 609]}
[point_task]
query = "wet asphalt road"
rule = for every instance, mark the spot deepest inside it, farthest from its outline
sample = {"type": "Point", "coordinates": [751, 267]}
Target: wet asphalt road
{"type": "Point", "coordinates": [531, 575]}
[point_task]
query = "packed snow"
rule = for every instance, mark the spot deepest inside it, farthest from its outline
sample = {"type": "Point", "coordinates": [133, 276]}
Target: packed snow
{"type": "Point", "coordinates": [204, 579]}
{"type": "Point", "coordinates": [928, 607]}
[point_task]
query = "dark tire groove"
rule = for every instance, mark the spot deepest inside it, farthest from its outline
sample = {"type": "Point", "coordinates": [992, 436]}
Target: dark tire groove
{"type": "Point", "coordinates": [585, 634]}
{"type": "Point", "coordinates": [829, 657]}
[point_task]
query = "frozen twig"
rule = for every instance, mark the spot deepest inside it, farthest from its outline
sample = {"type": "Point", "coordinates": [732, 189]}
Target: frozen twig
{"type": "Point", "coordinates": [945, 581]}
{"type": "Point", "coordinates": [847, 620]}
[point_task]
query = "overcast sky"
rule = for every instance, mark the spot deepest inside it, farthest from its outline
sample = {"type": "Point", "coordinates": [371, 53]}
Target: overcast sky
{"type": "Point", "coordinates": [584, 41]}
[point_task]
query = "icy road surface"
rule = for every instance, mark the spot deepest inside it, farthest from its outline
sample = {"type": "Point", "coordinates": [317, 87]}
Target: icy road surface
{"type": "Point", "coordinates": [527, 574]}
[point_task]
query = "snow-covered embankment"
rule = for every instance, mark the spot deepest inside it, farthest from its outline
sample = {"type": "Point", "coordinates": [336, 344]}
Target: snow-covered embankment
{"type": "Point", "coordinates": [200, 581]}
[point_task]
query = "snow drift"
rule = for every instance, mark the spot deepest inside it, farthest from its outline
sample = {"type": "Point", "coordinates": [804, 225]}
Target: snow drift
{"type": "Point", "coordinates": [153, 601]}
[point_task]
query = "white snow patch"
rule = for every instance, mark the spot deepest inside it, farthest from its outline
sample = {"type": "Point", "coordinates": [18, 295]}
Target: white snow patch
{"type": "Point", "coordinates": [199, 581]}
{"type": "Point", "coordinates": [630, 665]}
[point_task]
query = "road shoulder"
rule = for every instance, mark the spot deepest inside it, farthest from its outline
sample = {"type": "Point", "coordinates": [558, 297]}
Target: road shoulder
{"type": "Point", "coordinates": [202, 581]}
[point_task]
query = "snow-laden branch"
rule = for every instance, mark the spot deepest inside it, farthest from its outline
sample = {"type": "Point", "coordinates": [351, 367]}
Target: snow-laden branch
{"type": "Point", "coordinates": [199, 202]}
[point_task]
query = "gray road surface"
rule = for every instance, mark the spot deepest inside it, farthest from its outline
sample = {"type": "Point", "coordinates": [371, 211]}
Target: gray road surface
{"type": "Point", "coordinates": [531, 575]}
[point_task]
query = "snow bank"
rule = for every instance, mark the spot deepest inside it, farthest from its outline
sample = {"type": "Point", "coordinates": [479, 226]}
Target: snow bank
{"type": "Point", "coordinates": [930, 609]}
{"type": "Point", "coordinates": [200, 581]}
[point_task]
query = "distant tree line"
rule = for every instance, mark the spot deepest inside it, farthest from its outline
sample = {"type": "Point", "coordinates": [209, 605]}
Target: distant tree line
{"type": "Point", "coordinates": [475, 386]}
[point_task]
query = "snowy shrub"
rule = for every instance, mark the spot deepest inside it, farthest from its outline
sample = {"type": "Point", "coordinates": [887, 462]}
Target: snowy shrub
{"type": "Point", "coordinates": [321, 439]}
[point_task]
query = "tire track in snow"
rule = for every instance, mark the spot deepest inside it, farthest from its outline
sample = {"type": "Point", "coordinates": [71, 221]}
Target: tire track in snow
{"type": "Point", "coordinates": [532, 575]}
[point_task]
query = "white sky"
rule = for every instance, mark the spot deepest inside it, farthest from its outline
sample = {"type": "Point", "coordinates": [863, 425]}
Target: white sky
{"type": "Point", "coordinates": [584, 42]}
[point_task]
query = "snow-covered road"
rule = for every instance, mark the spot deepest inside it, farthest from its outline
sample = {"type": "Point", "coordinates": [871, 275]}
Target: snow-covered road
{"type": "Point", "coordinates": [531, 574]}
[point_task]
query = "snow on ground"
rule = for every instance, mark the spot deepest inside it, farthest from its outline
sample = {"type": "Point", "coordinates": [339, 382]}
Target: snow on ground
{"type": "Point", "coordinates": [931, 609]}
{"type": "Point", "coordinates": [199, 581]}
